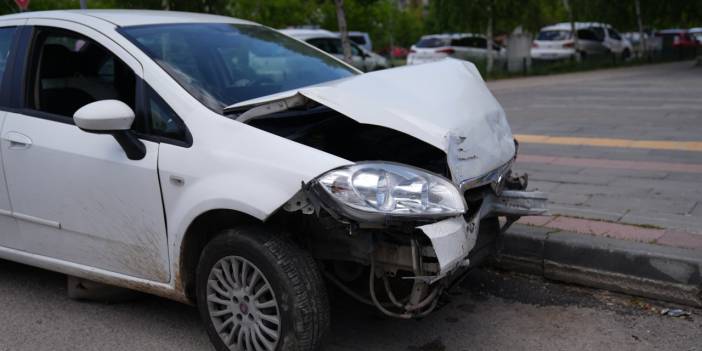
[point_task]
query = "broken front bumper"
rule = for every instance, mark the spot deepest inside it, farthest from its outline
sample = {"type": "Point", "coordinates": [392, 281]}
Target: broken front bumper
{"type": "Point", "coordinates": [454, 238]}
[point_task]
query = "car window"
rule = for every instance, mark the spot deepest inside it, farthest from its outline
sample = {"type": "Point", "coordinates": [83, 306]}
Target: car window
{"type": "Point", "coordinates": [358, 39]}
{"type": "Point", "coordinates": [432, 42]}
{"type": "Point", "coordinates": [587, 34]}
{"type": "Point", "coordinates": [613, 34]}
{"type": "Point", "coordinates": [599, 33]}
{"type": "Point", "coordinates": [334, 46]}
{"type": "Point", "coordinates": [6, 35]}
{"type": "Point", "coordinates": [480, 43]}
{"type": "Point", "coordinates": [321, 44]}
{"type": "Point", "coordinates": [553, 35]}
{"type": "Point", "coordinates": [462, 42]}
{"type": "Point", "coordinates": [70, 71]}
{"type": "Point", "coordinates": [221, 64]}
{"type": "Point", "coordinates": [162, 120]}
{"type": "Point", "coordinates": [355, 50]}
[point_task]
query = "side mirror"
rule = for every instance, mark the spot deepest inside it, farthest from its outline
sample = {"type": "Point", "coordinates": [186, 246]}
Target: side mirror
{"type": "Point", "coordinates": [105, 116]}
{"type": "Point", "coordinates": [111, 117]}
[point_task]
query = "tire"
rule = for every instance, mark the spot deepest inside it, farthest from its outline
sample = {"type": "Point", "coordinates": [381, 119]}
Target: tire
{"type": "Point", "coordinates": [626, 54]}
{"type": "Point", "coordinates": [288, 286]}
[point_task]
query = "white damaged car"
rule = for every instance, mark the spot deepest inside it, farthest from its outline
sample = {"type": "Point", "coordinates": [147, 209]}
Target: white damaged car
{"type": "Point", "coordinates": [218, 162]}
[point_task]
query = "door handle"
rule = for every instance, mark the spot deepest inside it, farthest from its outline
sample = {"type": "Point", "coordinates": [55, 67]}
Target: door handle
{"type": "Point", "coordinates": [17, 140]}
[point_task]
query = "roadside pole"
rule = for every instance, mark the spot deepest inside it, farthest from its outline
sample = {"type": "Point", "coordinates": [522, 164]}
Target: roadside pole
{"type": "Point", "coordinates": [343, 30]}
{"type": "Point", "coordinates": [83, 4]}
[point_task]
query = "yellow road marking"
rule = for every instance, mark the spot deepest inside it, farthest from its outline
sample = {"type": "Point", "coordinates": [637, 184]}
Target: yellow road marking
{"type": "Point", "coordinates": [610, 142]}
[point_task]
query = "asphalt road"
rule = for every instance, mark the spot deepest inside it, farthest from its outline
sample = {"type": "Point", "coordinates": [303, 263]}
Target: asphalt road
{"type": "Point", "coordinates": [493, 310]}
{"type": "Point", "coordinates": [490, 311]}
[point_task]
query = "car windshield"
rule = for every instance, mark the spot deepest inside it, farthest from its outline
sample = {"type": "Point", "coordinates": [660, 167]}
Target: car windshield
{"type": "Point", "coordinates": [553, 35]}
{"type": "Point", "coordinates": [222, 64]}
{"type": "Point", "coordinates": [432, 42]}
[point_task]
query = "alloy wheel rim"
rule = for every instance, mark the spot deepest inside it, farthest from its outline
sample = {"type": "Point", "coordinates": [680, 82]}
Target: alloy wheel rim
{"type": "Point", "coordinates": [242, 306]}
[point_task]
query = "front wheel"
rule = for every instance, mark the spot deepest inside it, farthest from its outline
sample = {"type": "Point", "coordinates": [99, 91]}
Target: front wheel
{"type": "Point", "coordinates": [259, 291]}
{"type": "Point", "coordinates": [626, 54]}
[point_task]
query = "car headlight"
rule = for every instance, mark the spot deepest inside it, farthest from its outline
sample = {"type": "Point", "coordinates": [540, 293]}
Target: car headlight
{"type": "Point", "coordinates": [390, 189]}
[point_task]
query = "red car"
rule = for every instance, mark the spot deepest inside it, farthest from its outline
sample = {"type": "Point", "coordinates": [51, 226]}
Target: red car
{"type": "Point", "coordinates": [678, 38]}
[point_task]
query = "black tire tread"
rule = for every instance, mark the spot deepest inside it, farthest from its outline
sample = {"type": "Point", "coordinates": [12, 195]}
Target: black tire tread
{"type": "Point", "coordinates": [311, 310]}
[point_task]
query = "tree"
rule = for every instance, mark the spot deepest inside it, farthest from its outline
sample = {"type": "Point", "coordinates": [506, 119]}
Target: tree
{"type": "Point", "coordinates": [343, 29]}
{"type": "Point", "coordinates": [573, 28]}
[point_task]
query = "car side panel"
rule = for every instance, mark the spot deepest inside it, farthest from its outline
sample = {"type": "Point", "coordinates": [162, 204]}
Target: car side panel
{"type": "Point", "coordinates": [9, 228]}
{"type": "Point", "coordinates": [234, 166]}
{"type": "Point", "coordinates": [80, 199]}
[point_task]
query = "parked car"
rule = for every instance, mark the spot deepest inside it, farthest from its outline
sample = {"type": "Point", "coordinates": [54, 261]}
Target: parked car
{"type": "Point", "coordinates": [331, 43]}
{"type": "Point", "coordinates": [462, 46]}
{"type": "Point", "coordinates": [653, 43]}
{"type": "Point", "coordinates": [696, 33]}
{"type": "Point", "coordinates": [556, 42]}
{"type": "Point", "coordinates": [395, 52]}
{"type": "Point", "coordinates": [218, 162]}
{"type": "Point", "coordinates": [361, 39]}
{"type": "Point", "coordinates": [677, 38]}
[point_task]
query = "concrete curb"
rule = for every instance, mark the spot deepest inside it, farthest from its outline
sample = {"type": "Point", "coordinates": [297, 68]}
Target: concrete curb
{"type": "Point", "coordinates": [649, 270]}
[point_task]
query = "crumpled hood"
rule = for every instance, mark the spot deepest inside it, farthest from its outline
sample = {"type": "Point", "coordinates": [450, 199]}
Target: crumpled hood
{"type": "Point", "coordinates": [445, 104]}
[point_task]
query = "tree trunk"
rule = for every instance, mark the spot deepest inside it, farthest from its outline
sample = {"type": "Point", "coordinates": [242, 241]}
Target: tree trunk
{"type": "Point", "coordinates": [83, 4]}
{"type": "Point", "coordinates": [573, 30]}
{"type": "Point", "coordinates": [642, 40]}
{"type": "Point", "coordinates": [490, 59]}
{"type": "Point", "coordinates": [343, 30]}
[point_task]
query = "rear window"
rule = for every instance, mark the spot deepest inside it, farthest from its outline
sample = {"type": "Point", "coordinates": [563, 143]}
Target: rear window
{"type": "Point", "coordinates": [553, 35]}
{"type": "Point", "coordinates": [432, 43]}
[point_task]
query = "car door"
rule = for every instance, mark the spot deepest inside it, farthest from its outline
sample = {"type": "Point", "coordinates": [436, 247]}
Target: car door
{"type": "Point", "coordinates": [614, 41]}
{"type": "Point", "coordinates": [478, 48]}
{"type": "Point", "coordinates": [338, 51]}
{"type": "Point", "coordinates": [9, 228]}
{"type": "Point", "coordinates": [617, 39]}
{"type": "Point", "coordinates": [77, 196]}
{"type": "Point", "coordinates": [360, 59]}
{"type": "Point", "coordinates": [600, 45]}
{"type": "Point", "coordinates": [460, 48]}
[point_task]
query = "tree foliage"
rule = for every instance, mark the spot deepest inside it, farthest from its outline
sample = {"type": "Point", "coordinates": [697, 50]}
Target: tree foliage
{"type": "Point", "coordinates": [390, 24]}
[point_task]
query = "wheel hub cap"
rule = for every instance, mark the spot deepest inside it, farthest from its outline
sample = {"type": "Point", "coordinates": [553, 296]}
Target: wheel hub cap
{"type": "Point", "coordinates": [242, 306]}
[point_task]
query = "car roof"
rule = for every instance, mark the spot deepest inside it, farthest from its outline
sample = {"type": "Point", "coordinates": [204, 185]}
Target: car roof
{"type": "Point", "coordinates": [672, 31]}
{"type": "Point", "coordinates": [452, 35]}
{"type": "Point", "coordinates": [304, 34]}
{"type": "Point", "coordinates": [695, 30]}
{"type": "Point", "coordinates": [125, 18]}
{"type": "Point", "coordinates": [578, 25]}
